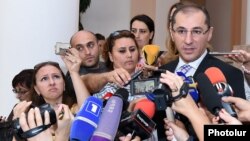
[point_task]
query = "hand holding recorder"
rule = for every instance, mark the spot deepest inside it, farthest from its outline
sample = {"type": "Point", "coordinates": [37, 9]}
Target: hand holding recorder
{"type": "Point", "coordinates": [61, 48]}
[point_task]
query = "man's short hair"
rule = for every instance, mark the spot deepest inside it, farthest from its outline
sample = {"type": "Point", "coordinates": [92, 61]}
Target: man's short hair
{"type": "Point", "coordinates": [99, 36]}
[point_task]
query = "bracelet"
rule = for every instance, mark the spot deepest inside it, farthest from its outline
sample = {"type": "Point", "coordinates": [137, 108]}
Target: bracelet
{"type": "Point", "coordinates": [245, 69]}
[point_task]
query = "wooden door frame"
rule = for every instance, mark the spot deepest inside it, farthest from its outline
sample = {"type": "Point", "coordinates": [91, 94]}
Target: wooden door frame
{"type": "Point", "coordinates": [236, 23]}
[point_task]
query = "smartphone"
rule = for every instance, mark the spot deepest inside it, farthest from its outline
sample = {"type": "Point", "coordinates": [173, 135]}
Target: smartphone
{"type": "Point", "coordinates": [61, 48]}
{"type": "Point", "coordinates": [223, 53]}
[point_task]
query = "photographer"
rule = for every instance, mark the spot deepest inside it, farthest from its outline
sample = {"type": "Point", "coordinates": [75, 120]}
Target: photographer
{"type": "Point", "coordinates": [57, 132]}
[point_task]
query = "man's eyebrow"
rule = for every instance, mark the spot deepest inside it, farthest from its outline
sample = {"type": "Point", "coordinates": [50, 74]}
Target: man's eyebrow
{"type": "Point", "coordinates": [197, 27]}
{"type": "Point", "coordinates": [80, 44]}
{"type": "Point", "coordinates": [181, 27]}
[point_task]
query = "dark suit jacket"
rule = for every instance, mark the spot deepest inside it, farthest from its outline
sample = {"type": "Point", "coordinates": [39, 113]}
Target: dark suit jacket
{"type": "Point", "coordinates": [234, 77]}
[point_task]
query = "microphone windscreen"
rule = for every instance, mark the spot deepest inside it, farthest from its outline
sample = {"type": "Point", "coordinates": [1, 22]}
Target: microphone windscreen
{"type": "Point", "coordinates": [162, 98]}
{"type": "Point", "coordinates": [122, 93]}
{"type": "Point", "coordinates": [147, 106]}
{"type": "Point", "coordinates": [86, 120]}
{"type": "Point", "coordinates": [208, 94]}
{"type": "Point", "coordinates": [219, 82]}
{"type": "Point", "coordinates": [110, 117]}
{"type": "Point", "coordinates": [215, 75]}
{"type": "Point", "coordinates": [150, 53]}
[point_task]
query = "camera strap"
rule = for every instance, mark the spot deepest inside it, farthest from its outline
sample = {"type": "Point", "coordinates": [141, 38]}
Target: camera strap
{"type": "Point", "coordinates": [34, 131]}
{"type": "Point", "coordinates": [183, 92]}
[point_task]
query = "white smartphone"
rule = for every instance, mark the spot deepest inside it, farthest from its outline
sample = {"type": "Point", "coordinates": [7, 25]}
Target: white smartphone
{"type": "Point", "coordinates": [214, 53]}
{"type": "Point", "coordinates": [61, 48]}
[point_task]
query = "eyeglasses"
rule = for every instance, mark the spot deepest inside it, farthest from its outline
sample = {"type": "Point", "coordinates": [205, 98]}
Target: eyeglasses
{"type": "Point", "coordinates": [19, 91]}
{"type": "Point", "coordinates": [194, 32]}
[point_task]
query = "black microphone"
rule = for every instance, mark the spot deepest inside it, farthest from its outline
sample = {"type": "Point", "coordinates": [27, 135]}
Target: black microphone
{"type": "Point", "coordinates": [110, 118]}
{"type": "Point", "coordinates": [162, 98]}
{"type": "Point", "coordinates": [208, 94]}
{"type": "Point", "coordinates": [139, 122]}
{"type": "Point", "coordinates": [223, 89]}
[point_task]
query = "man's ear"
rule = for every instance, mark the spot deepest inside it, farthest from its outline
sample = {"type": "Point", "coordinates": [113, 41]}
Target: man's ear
{"type": "Point", "coordinates": [210, 33]}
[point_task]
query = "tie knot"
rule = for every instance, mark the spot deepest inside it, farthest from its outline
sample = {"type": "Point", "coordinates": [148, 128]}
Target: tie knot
{"type": "Point", "coordinates": [185, 68]}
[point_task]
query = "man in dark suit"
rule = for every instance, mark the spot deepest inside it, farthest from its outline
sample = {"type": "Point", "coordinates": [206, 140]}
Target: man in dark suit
{"type": "Point", "coordinates": [233, 75]}
{"type": "Point", "coordinates": [190, 30]}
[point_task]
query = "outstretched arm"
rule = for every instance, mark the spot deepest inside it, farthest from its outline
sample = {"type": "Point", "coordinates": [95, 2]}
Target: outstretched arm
{"type": "Point", "coordinates": [244, 58]}
{"type": "Point", "coordinates": [96, 81]}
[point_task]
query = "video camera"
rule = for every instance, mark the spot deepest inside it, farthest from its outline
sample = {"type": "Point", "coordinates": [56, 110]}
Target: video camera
{"type": "Point", "coordinates": [13, 128]}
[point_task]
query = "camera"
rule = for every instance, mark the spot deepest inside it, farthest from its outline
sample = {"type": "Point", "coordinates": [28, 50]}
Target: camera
{"type": "Point", "coordinates": [10, 128]}
{"type": "Point", "coordinates": [61, 48]}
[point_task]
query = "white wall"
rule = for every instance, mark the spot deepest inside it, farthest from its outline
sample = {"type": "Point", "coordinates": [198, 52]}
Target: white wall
{"type": "Point", "coordinates": [107, 16]}
{"type": "Point", "coordinates": [29, 31]}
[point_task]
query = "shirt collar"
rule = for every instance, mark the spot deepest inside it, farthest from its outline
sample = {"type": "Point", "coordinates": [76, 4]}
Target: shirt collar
{"type": "Point", "coordinates": [193, 64]}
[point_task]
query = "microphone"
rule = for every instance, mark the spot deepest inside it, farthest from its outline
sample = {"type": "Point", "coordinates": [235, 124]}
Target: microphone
{"type": "Point", "coordinates": [150, 53]}
{"type": "Point", "coordinates": [147, 106]}
{"type": "Point", "coordinates": [162, 98]}
{"type": "Point", "coordinates": [219, 82]}
{"type": "Point", "coordinates": [208, 94]}
{"type": "Point", "coordinates": [110, 117]}
{"type": "Point", "coordinates": [86, 120]}
{"type": "Point", "coordinates": [139, 121]}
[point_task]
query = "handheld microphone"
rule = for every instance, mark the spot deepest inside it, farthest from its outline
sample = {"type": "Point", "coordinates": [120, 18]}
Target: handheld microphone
{"type": "Point", "coordinates": [162, 98]}
{"type": "Point", "coordinates": [208, 94]}
{"type": "Point", "coordinates": [86, 120]}
{"type": "Point", "coordinates": [110, 117]}
{"type": "Point", "coordinates": [150, 53]}
{"type": "Point", "coordinates": [139, 121]}
{"type": "Point", "coordinates": [219, 82]}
